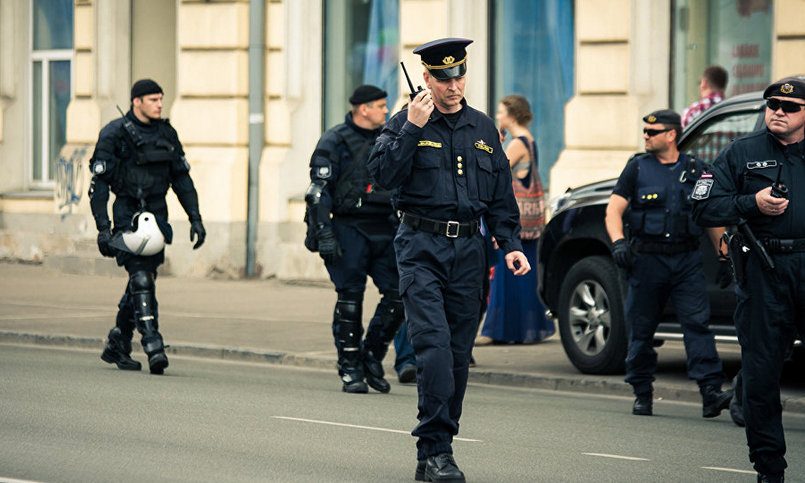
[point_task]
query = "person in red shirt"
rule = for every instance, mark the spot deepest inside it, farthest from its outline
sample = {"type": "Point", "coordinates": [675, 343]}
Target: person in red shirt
{"type": "Point", "coordinates": [711, 92]}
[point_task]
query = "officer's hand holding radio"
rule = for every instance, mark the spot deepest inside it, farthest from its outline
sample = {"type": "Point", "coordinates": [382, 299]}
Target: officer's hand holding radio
{"type": "Point", "coordinates": [770, 205]}
{"type": "Point", "coordinates": [419, 108]}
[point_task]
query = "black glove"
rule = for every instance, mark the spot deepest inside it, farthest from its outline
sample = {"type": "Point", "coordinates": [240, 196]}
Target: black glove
{"type": "Point", "coordinates": [724, 275]}
{"type": "Point", "coordinates": [328, 244]}
{"type": "Point", "coordinates": [197, 230]}
{"type": "Point", "coordinates": [622, 254]}
{"type": "Point", "coordinates": [104, 237]}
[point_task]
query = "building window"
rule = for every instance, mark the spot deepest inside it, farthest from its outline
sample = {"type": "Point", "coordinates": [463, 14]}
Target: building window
{"type": "Point", "coordinates": [361, 46]}
{"type": "Point", "coordinates": [532, 55]}
{"type": "Point", "coordinates": [734, 34]}
{"type": "Point", "coordinates": [51, 56]}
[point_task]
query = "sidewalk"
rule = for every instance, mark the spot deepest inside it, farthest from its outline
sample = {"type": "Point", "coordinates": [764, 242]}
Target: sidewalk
{"type": "Point", "coordinates": [281, 323]}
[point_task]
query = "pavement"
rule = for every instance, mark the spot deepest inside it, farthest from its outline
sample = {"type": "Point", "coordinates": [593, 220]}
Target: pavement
{"type": "Point", "coordinates": [276, 322]}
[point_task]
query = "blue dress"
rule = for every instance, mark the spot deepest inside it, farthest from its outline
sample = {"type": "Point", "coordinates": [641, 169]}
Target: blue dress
{"type": "Point", "coordinates": [516, 313]}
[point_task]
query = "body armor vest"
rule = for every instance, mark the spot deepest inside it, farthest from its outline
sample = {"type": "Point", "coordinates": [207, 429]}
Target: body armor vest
{"type": "Point", "coordinates": [661, 206]}
{"type": "Point", "coordinates": [355, 187]}
{"type": "Point", "coordinates": [145, 172]}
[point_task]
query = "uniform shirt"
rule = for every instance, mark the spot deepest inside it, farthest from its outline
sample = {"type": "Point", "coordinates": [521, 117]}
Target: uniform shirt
{"type": "Point", "coordinates": [746, 166]}
{"type": "Point", "coordinates": [447, 172]}
{"type": "Point", "coordinates": [698, 107]}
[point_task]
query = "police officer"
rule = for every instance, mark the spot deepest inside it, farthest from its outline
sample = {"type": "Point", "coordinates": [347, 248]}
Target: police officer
{"type": "Point", "coordinates": [352, 226]}
{"type": "Point", "coordinates": [445, 157]}
{"type": "Point", "coordinates": [137, 157]}
{"type": "Point", "coordinates": [756, 182]}
{"type": "Point", "coordinates": [656, 186]}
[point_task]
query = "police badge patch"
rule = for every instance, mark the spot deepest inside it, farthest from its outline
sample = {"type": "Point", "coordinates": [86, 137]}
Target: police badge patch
{"type": "Point", "coordinates": [99, 167]}
{"type": "Point", "coordinates": [323, 172]}
{"type": "Point", "coordinates": [702, 189]}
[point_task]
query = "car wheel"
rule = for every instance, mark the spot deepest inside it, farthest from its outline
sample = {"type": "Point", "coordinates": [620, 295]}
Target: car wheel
{"type": "Point", "coordinates": [591, 317]}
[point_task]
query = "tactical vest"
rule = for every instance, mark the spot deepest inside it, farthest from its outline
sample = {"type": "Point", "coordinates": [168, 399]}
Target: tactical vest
{"type": "Point", "coordinates": [355, 187]}
{"type": "Point", "coordinates": [145, 172]}
{"type": "Point", "coordinates": [661, 206]}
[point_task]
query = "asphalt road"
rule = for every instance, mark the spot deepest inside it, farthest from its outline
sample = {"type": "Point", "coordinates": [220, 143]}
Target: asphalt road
{"type": "Point", "coordinates": [65, 416]}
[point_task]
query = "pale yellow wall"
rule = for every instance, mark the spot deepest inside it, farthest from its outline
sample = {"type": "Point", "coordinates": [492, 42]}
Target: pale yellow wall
{"type": "Point", "coordinates": [153, 50]}
{"type": "Point", "coordinates": [789, 45]}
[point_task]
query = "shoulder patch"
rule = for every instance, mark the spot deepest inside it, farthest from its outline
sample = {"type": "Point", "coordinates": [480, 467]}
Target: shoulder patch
{"type": "Point", "coordinates": [701, 191]}
{"type": "Point", "coordinates": [323, 172]}
{"type": "Point", "coordinates": [429, 144]}
{"type": "Point", "coordinates": [99, 167]}
{"type": "Point", "coordinates": [767, 163]}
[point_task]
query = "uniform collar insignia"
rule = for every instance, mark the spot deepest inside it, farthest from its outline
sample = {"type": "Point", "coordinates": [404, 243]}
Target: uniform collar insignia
{"type": "Point", "coordinates": [481, 144]}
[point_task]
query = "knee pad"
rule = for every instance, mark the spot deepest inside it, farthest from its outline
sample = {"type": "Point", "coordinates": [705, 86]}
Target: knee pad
{"type": "Point", "coordinates": [141, 281]}
{"type": "Point", "coordinates": [144, 302]}
{"type": "Point", "coordinates": [347, 324]}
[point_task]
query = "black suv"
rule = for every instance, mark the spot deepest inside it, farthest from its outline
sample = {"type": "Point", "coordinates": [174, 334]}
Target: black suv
{"type": "Point", "coordinates": [580, 283]}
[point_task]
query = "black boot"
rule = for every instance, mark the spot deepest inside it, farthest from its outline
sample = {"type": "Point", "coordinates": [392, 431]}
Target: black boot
{"type": "Point", "coordinates": [441, 467]}
{"type": "Point", "coordinates": [714, 400]}
{"type": "Point", "coordinates": [375, 373]}
{"type": "Point", "coordinates": [352, 376]}
{"type": "Point", "coordinates": [643, 405]}
{"type": "Point", "coordinates": [348, 332]}
{"type": "Point", "coordinates": [146, 317]}
{"type": "Point", "coordinates": [118, 351]}
{"type": "Point", "coordinates": [771, 478]}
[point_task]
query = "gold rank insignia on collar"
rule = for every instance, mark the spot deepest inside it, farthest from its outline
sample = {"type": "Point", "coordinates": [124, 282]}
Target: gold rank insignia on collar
{"type": "Point", "coordinates": [786, 88]}
{"type": "Point", "coordinates": [429, 144]}
{"type": "Point", "coordinates": [651, 119]}
{"type": "Point", "coordinates": [480, 144]}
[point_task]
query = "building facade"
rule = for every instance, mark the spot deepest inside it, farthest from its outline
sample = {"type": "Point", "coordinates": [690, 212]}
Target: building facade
{"type": "Point", "coordinates": [590, 68]}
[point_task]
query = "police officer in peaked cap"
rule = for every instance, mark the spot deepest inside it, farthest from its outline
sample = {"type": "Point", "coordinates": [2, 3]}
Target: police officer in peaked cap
{"type": "Point", "coordinates": [445, 161]}
{"type": "Point", "coordinates": [757, 183]}
{"type": "Point", "coordinates": [138, 157]}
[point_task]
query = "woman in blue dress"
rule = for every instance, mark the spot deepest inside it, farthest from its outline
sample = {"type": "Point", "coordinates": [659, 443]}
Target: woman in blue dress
{"type": "Point", "coordinates": [515, 313]}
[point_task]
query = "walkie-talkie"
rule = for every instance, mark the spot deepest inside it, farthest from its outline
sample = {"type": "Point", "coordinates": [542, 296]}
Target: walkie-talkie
{"type": "Point", "coordinates": [779, 189]}
{"type": "Point", "coordinates": [129, 127]}
{"type": "Point", "coordinates": [410, 84]}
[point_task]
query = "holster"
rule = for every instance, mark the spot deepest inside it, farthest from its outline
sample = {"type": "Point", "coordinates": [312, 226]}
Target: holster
{"type": "Point", "coordinates": [738, 251]}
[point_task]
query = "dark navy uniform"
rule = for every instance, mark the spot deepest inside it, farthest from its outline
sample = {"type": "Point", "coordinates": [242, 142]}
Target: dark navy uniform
{"type": "Point", "coordinates": [668, 265]}
{"type": "Point", "coordinates": [771, 302]}
{"type": "Point", "coordinates": [449, 174]}
{"type": "Point", "coordinates": [343, 201]}
{"type": "Point", "coordinates": [138, 162]}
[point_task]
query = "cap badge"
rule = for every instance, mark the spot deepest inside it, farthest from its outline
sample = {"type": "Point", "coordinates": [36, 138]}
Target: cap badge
{"type": "Point", "coordinates": [448, 60]}
{"type": "Point", "coordinates": [786, 88]}
{"type": "Point", "coordinates": [652, 119]}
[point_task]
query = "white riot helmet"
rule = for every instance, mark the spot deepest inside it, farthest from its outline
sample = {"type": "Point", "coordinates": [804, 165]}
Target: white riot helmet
{"type": "Point", "coordinates": [144, 239]}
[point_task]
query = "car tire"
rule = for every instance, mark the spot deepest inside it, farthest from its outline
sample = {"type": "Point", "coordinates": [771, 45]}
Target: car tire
{"type": "Point", "coordinates": [592, 321]}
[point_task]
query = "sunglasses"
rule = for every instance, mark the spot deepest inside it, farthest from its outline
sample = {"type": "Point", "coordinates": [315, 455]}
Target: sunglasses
{"type": "Point", "coordinates": [653, 132]}
{"type": "Point", "coordinates": [786, 106]}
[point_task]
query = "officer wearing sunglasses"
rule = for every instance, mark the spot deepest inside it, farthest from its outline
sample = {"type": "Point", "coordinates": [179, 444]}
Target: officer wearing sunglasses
{"type": "Point", "coordinates": [663, 262]}
{"type": "Point", "coordinates": [770, 300]}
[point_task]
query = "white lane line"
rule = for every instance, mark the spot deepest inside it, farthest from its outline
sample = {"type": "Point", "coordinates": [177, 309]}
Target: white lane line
{"type": "Point", "coordinates": [729, 470]}
{"type": "Point", "coordinates": [12, 480]}
{"type": "Point", "coordinates": [371, 428]}
{"type": "Point", "coordinates": [616, 456]}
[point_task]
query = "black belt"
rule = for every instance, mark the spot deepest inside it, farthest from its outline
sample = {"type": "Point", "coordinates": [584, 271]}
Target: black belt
{"type": "Point", "coordinates": [664, 248]}
{"type": "Point", "coordinates": [778, 245]}
{"type": "Point", "coordinates": [450, 229]}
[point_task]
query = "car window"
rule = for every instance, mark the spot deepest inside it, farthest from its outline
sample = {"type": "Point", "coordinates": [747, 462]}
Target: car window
{"type": "Point", "coordinates": [712, 137]}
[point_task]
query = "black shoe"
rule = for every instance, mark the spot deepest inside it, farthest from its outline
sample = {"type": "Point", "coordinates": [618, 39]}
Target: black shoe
{"type": "Point", "coordinates": [407, 374]}
{"type": "Point", "coordinates": [118, 351]}
{"type": "Point", "coordinates": [157, 362]}
{"type": "Point", "coordinates": [441, 467]}
{"type": "Point", "coordinates": [420, 471]}
{"type": "Point", "coordinates": [714, 400]}
{"type": "Point", "coordinates": [353, 381]}
{"type": "Point", "coordinates": [643, 406]}
{"type": "Point", "coordinates": [771, 478]}
{"type": "Point", "coordinates": [374, 373]}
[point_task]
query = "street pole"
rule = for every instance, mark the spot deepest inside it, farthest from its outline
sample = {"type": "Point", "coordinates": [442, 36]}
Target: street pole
{"type": "Point", "coordinates": [256, 123]}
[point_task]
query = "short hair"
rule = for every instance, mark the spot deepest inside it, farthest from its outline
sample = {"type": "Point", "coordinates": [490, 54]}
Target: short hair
{"type": "Point", "coordinates": [716, 77]}
{"type": "Point", "coordinates": [518, 108]}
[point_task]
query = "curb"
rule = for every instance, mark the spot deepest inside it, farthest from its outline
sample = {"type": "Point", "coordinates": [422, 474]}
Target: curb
{"type": "Point", "coordinates": [581, 384]}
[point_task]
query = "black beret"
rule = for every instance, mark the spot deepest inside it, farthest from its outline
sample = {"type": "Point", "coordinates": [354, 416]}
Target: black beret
{"type": "Point", "coordinates": [663, 116]}
{"type": "Point", "coordinates": [367, 93]}
{"type": "Point", "coordinates": [143, 87]}
{"type": "Point", "coordinates": [788, 87]}
{"type": "Point", "coordinates": [445, 58]}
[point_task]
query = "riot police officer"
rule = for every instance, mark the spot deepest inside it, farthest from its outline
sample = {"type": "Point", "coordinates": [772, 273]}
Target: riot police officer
{"type": "Point", "coordinates": [756, 184]}
{"type": "Point", "coordinates": [656, 186]}
{"type": "Point", "coordinates": [138, 157]}
{"type": "Point", "coordinates": [446, 160]}
{"type": "Point", "coordinates": [351, 224]}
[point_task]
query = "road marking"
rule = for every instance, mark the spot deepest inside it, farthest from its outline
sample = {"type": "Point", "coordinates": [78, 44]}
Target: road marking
{"type": "Point", "coordinates": [729, 470]}
{"type": "Point", "coordinates": [12, 480]}
{"type": "Point", "coordinates": [372, 428]}
{"type": "Point", "coordinates": [616, 456]}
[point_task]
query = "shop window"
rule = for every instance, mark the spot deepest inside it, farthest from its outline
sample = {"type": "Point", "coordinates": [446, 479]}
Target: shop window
{"type": "Point", "coordinates": [735, 34]}
{"type": "Point", "coordinates": [532, 55]}
{"type": "Point", "coordinates": [51, 58]}
{"type": "Point", "coordinates": [361, 46]}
